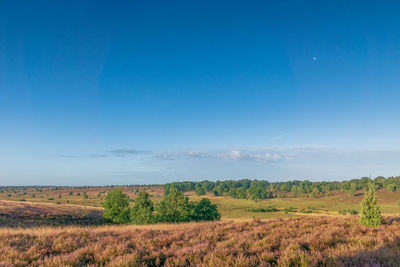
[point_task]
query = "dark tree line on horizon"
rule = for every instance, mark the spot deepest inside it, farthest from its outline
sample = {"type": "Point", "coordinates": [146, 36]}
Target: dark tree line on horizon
{"type": "Point", "coordinates": [262, 189]}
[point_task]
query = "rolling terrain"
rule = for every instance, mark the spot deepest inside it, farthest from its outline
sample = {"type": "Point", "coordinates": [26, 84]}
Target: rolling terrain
{"type": "Point", "coordinates": [48, 226]}
{"type": "Point", "coordinates": [230, 208]}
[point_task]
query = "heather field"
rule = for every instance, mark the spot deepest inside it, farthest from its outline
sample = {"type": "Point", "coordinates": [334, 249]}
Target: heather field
{"type": "Point", "coordinates": [305, 241]}
{"type": "Point", "coordinates": [65, 226]}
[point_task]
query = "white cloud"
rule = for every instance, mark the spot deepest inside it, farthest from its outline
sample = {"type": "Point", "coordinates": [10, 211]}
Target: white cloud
{"type": "Point", "coordinates": [235, 154]}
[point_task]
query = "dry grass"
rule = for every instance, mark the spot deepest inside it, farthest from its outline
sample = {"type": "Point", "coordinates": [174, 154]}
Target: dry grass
{"type": "Point", "coordinates": [307, 241]}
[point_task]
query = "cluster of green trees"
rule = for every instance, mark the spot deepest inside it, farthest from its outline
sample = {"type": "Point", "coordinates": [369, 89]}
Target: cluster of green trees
{"type": "Point", "coordinates": [254, 189]}
{"type": "Point", "coordinates": [175, 207]}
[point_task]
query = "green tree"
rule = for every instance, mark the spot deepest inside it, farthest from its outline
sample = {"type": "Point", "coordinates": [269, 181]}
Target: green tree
{"type": "Point", "coordinates": [175, 207]}
{"type": "Point", "coordinates": [315, 192]}
{"type": "Point", "coordinates": [85, 196]}
{"type": "Point", "coordinates": [116, 207]}
{"type": "Point", "coordinates": [353, 189]}
{"type": "Point", "coordinates": [218, 191]}
{"type": "Point", "coordinates": [205, 211]}
{"type": "Point", "coordinates": [142, 210]}
{"type": "Point", "coordinates": [294, 191]}
{"type": "Point", "coordinates": [370, 211]}
{"type": "Point", "coordinates": [199, 190]}
{"type": "Point", "coordinates": [258, 192]}
{"type": "Point", "coordinates": [233, 192]}
{"type": "Point", "coordinates": [241, 192]}
{"type": "Point", "coordinates": [392, 187]}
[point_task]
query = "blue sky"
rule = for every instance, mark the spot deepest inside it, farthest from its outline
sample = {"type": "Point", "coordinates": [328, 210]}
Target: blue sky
{"type": "Point", "coordinates": [134, 92]}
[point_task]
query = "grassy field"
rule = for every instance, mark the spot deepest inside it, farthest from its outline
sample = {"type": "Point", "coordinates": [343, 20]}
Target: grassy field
{"type": "Point", "coordinates": [326, 205]}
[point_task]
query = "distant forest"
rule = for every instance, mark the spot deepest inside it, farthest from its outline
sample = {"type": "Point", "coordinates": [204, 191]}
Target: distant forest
{"type": "Point", "coordinates": [262, 189]}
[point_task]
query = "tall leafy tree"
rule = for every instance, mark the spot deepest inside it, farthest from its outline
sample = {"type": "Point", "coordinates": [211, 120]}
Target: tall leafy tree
{"type": "Point", "coordinates": [241, 192]}
{"type": "Point", "coordinates": [370, 211]}
{"type": "Point", "coordinates": [199, 190]}
{"type": "Point", "coordinates": [175, 207]}
{"type": "Point", "coordinates": [353, 189]}
{"type": "Point", "coordinates": [116, 207]}
{"type": "Point", "coordinates": [142, 210]}
{"type": "Point", "coordinates": [315, 192]}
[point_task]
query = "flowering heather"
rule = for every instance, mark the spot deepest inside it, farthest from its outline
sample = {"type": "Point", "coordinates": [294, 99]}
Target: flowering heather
{"type": "Point", "coordinates": [306, 241]}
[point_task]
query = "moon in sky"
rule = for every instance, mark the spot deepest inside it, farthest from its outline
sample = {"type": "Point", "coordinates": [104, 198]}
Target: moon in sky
{"type": "Point", "coordinates": [314, 58]}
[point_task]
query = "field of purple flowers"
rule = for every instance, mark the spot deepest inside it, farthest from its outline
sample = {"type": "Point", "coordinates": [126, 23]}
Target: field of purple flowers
{"type": "Point", "coordinates": [306, 241]}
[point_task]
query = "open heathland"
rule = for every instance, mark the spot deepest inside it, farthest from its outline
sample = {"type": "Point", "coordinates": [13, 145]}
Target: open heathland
{"type": "Point", "coordinates": [305, 241]}
{"type": "Point", "coordinates": [27, 214]}
{"type": "Point", "coordinates": [230, 208]}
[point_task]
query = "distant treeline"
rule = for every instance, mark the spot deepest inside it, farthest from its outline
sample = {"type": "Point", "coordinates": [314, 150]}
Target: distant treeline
{"type": "Point", "coordinates": [262, 189]}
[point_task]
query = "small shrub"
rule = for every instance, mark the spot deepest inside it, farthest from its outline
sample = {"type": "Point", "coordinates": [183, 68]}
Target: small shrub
{"type": "Point", "coordinates": [348, 211]}
{"type": "Point", "coordinates": [306, 211]}
{"type": "Point", "coordinates": [268, 209]}
{"type": "Point", "coordinates": [290, 209]}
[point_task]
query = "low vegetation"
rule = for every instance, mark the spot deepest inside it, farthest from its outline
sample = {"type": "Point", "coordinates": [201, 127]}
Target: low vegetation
{"type": "Point", "coordinates": [28, 214]}
{"type": "Point", "coordinates": [348, 211]}
{"type": "Point", "coordinates": [304, 229]}
{"type": "Point", "coordinates": [305, 241]}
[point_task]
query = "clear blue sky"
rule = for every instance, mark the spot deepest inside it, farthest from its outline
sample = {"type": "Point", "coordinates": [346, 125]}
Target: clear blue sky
{"type": "Point", "coordinates": [128, 92]}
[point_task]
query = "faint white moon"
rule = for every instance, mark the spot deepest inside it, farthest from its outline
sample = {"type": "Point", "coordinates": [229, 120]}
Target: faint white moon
{"type": "Point", "coordinates": [314, 58]}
